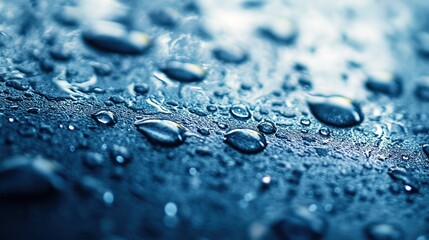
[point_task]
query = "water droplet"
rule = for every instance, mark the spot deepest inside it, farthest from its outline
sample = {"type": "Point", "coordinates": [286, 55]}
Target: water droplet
{"type": "Point", "coordinates": [422, 89]}
{"type": "Point", "coordinates": [23, 177]}
{"type": "Point", "coordinates": [93, 160]}
{"type": "Point", "coordinates": [170, 209]}
{"type": "Point", "coordinates": [108, 198]}
{"type": "Point", "coordinates": [281, 31]}
{"type": "Point", "coordinates": [401, 174]}
{"type": "Point", "coordinates": [300, 223]}
{"type": "Point", "coordinates": [120, 154]}
{"type": "Point", "coordinates": [385, 83]}
{"type": "Point", "coordinates": [114, 37]}
{"type": "Point", "coordinates": [422, 43]}
{"type": "Point", "coordinates": [184, 72]}
{"type": "Point", "coordinates": [425, 149]}
{"type": "Point", "coordinates": [305, 121]}
{"type": "Point", "coordinates": [162, 132]}
{"type": "Point", "coordinates": [141, 88]}
{"type": "Point", "coordinates": [324, 131]}
{"type": "Point", "coordinates": [267, 127]}
{"type": "Point", "coordinates": [383, 231]}
{"type": "Point", "coordinates": [230, 54]}
{"type": "Point", "coordinates": [117, 99]}
{"type": "Point", "coordinates": [105, 117]}
{"type": "Point", "coordinates": [336, 111]}
{"type": "Point", "coordinates": [246, 140]}
{"type": "Point", "coordinates": [240, 111]}
{"type": "Point", "coordinates": [17, 85]}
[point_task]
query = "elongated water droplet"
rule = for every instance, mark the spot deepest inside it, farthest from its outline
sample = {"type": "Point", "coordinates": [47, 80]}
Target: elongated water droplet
{"type": "Point", "coordinates": [23, 177]}
{"type": "Point", "coordinates": [162, 132]}
{"type": "Point", "coordinates": [267, 127]}
{"type": "Point", "coordinates": [383, 231]}
{"type": "Point", "coordinates": [105, 117]}
{"type": "Point", "coordinates": [184, 72]}
{"type": "Point", "coordinates": [114, 37]}
{"type": "Point", "coordinates": [385, 83]}
{"type": "Point", "coordinates": [281, 31]}
{"type": "Point", "coordinates": [230, 54]}
{"type": "Point", "coordinates": [336, 111]}
{"type": "Point", "coordinates": [246, 140]}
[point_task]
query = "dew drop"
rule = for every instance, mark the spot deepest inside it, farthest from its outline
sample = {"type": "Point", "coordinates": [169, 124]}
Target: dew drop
{"type": "Point", "coordinates": [240, 111]}
{"type": "Point", "coordinates": [383, 231]}
{"type": "Point", "coordinates": [422, 89]}
{"type": "Point", "coordinates": [120, 154]}
{"type": "Point", "coordinates": [162, 132]}
{"type": "Point", "coordinates": [230, 54]}
{"type": "Point", "coordinates": [281, 31]}
{"type": "Point", "coordinates": [105, 117]}
{"type": "Point", "coordinates": [184, 71]}
{"type": "Point", "coordinates": [305, 121]}
{"type": "Point", "coordinates": [246, 140]}
{"type": "Point", "coordinates": [267, 127]}
{"type": "Point", "coordinates": [336, 111]}
{"type": "Point", "coordinates": [300, 223]}
{"type": "Point", "coordinates": [425, 149]}
{"type": "Point", "coordinates": [385, 83]}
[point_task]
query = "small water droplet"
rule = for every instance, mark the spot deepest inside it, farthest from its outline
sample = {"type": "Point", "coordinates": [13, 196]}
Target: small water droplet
{"type": "Point", "coordinates": [162, 132]}
{"type": "Point", "coordinates": [246, 140]}
{"type": "Point", "coordinates": [281, 31]}
{"type": "Point", "coordinates": [305, 121]}
{"type": "Point", "coordinates": [240, 111]}
{"type": "Point", "coordinates": [120, 154]}
{"type": "Point", "coordinates": [184, 71]}
{"type": "Point", "coordinates": [105, 117]}
{"type": "Point", "coordinates": [425, 149]}
{"type": "Point", "coordinates": [324, 131]}
{"type": "Point", "coordinates": [336, 111]}
{"type": "Point", "coordinates": [267, 127]}
{"type": "Point", "coordinates": [170, 209]}
{"type": "Point", "coordinates": [300, 223]}
{"type": "Point", "coordinates": [385, 83]}
{"type": "Point", "coordinates": [141, 88]}
{"type": "Point", "coordinates": [383, 231]}
{"type": "Point", "coordinates": [422, 89]}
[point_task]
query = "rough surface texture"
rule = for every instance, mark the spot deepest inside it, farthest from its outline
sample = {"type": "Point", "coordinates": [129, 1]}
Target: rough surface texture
{"type": "Point", "coordinates": [311, 181]}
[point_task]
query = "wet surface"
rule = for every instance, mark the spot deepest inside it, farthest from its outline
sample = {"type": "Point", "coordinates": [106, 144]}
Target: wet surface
{"type": "Point", "coordinates": [197, 120]}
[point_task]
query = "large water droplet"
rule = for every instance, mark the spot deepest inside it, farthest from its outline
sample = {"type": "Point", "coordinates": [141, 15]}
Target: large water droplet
{"type": "Point", "coordinates": [336, 111]}
{"type": "Point", "coordinates": [162, 132]}
{"type": "Point", "coordinates": [383, 231]}
{"type": "Point", "coordinates": [114, 37]}
{"type": "Point", "coordinates": [385, 83]}
{"type": "Point", "coordinates": [22, 177]}
{"type": "Point", "coordinates": [246, 140]}
{"type": "Point", "coordinates": [230, 54]}
{"type": "Point", "coordinates": [105, 117]}
{"type": "Point", "coordinates": [184, 72]}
